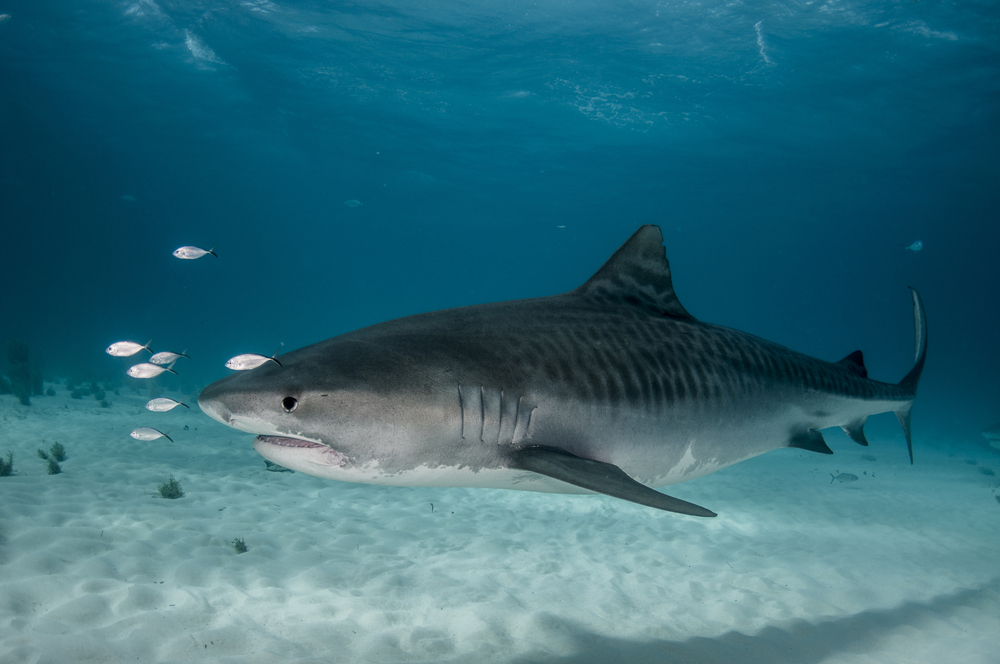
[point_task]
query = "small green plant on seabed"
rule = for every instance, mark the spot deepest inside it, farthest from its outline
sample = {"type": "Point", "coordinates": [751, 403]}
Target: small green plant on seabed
{"type": "Point", "coordinates": [239, 545]}
{"type": "Point", "coordinates": [58, 452]}
{"type": "Point", "coordinates": [171, 489]}
{"type": "Point", "coordinates": [7, 467]}
{"type": "Point", "coordinates": [53, 461]}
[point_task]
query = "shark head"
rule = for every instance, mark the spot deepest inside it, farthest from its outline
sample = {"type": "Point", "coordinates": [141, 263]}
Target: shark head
{"type": "Point", "coordinates": [340, 409]}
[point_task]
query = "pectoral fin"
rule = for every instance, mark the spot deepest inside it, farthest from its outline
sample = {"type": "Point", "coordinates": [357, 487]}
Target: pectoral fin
{"type": "Point", "coordinates": [598, 476]}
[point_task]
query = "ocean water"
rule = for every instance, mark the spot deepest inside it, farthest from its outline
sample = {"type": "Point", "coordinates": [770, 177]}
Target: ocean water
{"type": "Point", "coordinates": [789, 151]}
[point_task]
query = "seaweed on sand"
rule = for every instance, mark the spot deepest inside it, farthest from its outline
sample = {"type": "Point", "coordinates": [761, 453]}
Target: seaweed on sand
{"type": "Point", "coordinates": [7, 467]}
{"type": "Point", "coordinates": [58, 452]}
{"type": "Point", "coordinates": [171, 489]}
{"type": "Point", "coordinates": [55, 454]}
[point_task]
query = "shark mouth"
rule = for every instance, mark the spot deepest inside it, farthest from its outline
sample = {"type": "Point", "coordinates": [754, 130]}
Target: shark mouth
{"type": "Point", "coordinates": [290, 442]}
{"type": "Point", "coordinates": [286, 451]}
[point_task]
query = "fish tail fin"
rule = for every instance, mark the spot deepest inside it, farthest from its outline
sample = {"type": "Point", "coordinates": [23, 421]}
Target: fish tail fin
{"type": "Point", "coordinates": [212, 250]}
{"type": "Point", "coordinates": [184, 404]}
{"type": "Point", "coordinates": [909, 382]}
{"type": "Point", "coordinates": [147, 345]}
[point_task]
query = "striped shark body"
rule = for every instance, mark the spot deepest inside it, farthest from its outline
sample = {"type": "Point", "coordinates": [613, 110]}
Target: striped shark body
{"type": "Point", "coordinates": [611, 388]}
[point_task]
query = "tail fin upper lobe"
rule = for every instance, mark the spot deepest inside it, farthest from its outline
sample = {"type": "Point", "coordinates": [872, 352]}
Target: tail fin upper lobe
{"type": "Point", "coordinates": [909, 382]}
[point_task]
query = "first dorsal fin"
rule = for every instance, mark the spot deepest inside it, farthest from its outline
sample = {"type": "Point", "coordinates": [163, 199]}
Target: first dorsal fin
{"type": "Point", "coordinates": [639, 274]}
{"type": "Point", "coordinates": [856, 363]}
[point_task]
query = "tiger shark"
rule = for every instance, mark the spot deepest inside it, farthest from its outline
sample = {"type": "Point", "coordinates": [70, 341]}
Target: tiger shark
{"type": "Point", "coordinates": [611, 388]}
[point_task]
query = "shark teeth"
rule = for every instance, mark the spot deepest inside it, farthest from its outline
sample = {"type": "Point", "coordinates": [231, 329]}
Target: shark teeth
{"type": "Point", "coordinates": [319, 454]}
{"type": "Point", "coordinates": [288, 442]}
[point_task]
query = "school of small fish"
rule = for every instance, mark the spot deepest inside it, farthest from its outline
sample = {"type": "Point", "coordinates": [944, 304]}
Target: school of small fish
{"type": "Point", "coordinates": [163, 361]}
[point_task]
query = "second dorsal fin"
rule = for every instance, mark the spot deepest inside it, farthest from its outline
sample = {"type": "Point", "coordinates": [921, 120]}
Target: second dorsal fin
{"type": "Point", "coordinates": [856, 363]}
{"type": "Point", "coordinates": [638, 274]}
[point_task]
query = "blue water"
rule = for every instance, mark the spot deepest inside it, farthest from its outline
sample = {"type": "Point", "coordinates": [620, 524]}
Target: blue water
{"type": "Point", "coordinates": [500, 150]}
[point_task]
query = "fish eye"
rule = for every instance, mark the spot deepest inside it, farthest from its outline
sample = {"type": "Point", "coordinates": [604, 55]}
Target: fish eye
{"type": "Point", "coordinates": [289, 404]}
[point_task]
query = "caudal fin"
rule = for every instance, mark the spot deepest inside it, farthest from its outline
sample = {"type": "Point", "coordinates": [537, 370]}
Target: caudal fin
{"type": "Point", "coordinates": [909, 382]}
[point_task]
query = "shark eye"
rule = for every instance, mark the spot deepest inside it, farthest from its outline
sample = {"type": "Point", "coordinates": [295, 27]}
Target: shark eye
{"type": "Point", "coordinates": [289, 404]}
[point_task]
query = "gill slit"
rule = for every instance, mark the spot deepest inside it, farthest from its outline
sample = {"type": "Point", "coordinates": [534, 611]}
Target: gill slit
{"type": "Point", "coordinates": [517, 413]}
{"type": "Point", "coordinates": [482, 415]}
{"type": "Point", "coordinates": [461, 409]}
{"type": "Point", "coordinates": [527, 428]}
{"type": "Point", "coordinates": [500, 426]}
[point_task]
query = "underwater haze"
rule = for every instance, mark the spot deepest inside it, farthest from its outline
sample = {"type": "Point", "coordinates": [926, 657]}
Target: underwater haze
{"type": "Point", "coordinates": [500, 151]}
{"type": "Point", "coordinates": [355, 162]}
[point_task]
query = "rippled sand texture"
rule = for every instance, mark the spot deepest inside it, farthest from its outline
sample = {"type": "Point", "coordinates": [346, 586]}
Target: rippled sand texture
{"type": "Point", "coordinates": [899, 566]}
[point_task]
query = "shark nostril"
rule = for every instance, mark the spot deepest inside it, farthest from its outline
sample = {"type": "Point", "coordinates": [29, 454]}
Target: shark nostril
{"type": "Point", "coordinates": [289, 404]}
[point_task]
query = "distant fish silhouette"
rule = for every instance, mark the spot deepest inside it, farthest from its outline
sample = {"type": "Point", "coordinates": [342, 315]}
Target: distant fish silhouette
{"type": "Point", "coordinates": [147, 370]}
{"type": "Point", "coordinates": [128, 199]}
{"type": "Point", "coordinates": [126, 348]}
{"type": "Point", "coordinates": [352, 203]}
{"type": "Point", "coordinates": [166, 357]}
{"type": "Point", "coordinates": [163, 404]}
{"type": "Point", "coordinates": [915, 247]}
{"type": "Point", "coordinates": [4, 18]}
{"type": "Point", "coordinates": [992, 434]}
{"type": "Point", "coordinates": [190, 253]}
{"type": "Point", "coordinates": [148, 433]}
{"type": "Point", "coordinates": [249, 361]}
{"type": "Point", "coordinates": [843, 477]}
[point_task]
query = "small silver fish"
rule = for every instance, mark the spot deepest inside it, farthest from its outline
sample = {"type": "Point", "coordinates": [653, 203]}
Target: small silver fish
{"type": "Point", "coordinates": [147, 370]}
{"type": "Point", "coordinates": [191, 253]}
{"type": "Point", "coordinates": [163, 404]}
{"type": "Point", "coordinates": [249, 361]}
{"type": "Point", "coordinates": [352, 203]}
{"type": "Point", "coordinates": [166, 357]}
{"type": "Point", "coordinates": [126, 348]}
{"type": "Point", "coordinates": [148, 433]}
{"type": "Point", "coordinates": [843, 477]}
{"type": "Point", "coordinates": [915, 247]}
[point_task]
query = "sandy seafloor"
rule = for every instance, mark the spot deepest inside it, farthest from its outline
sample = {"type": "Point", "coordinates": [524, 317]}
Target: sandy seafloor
{"type": "Point", "coordinates": [902, 565]}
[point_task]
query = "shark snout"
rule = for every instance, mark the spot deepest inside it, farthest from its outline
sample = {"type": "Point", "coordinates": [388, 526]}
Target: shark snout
{"type": "Point", "coordinates": [235, 408]}
{"type": "Point", "coordinates": [212, 404]}
{"type": "Point", "coordinates": [214, 409]}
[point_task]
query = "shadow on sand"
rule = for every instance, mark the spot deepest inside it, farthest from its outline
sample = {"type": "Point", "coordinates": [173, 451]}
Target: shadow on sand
{"type": "Point", "coordinates": [798, 642]}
